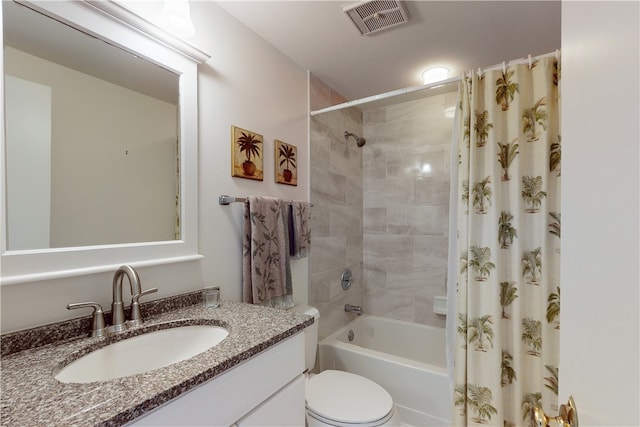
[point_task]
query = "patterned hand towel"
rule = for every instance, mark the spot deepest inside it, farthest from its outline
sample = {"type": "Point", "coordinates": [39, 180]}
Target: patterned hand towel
{"type": "Point", "coordinates": [266, 274]}
{"type": "Point", "coordinates": [299, 229]}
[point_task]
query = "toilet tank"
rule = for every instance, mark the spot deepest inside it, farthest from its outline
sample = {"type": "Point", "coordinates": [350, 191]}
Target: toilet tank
{"type": "Point", "coordinates": [310, 334]}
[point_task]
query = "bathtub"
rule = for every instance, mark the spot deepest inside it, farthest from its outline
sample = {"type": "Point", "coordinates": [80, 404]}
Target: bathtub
{"type": "Point", "coordinates": [407, 359]}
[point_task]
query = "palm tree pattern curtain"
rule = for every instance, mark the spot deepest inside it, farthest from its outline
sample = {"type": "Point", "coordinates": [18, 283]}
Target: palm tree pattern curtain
{"type": "Point", "coordinates": [507, 348]}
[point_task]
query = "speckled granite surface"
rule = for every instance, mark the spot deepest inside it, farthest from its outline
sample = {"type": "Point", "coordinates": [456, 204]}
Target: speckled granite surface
{"type": "Point", "coordinates": [31, 396]}
{"type": "Point", "coordinates": [81, 326]}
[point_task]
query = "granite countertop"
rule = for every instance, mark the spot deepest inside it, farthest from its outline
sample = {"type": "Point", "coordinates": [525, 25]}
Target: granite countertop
{"type": "Point", "coordinates": [31, 396]}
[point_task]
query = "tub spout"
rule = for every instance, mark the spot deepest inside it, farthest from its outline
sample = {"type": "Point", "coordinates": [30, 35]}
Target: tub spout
{"type": "Point", "coordinates": [353, 309]}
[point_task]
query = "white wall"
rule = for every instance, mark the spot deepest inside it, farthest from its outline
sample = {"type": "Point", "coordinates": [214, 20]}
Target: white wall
{"type": "Point", "coordinates": [600, 354]}
{"type": "Point", "coordinates": [247, 83]}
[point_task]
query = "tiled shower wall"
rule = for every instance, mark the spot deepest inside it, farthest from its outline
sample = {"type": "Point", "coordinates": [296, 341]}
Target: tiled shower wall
{"type": "Point", "coordinates": [381, 210]}
{"type": "Point", "coordinates": [336, 221]}
{"type": "Point", "coordinates": [406, 171]}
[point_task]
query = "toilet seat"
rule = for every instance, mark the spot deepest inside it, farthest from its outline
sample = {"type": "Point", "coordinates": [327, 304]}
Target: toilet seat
{"type": "Point", "coordinates": [333, 423]}
{"type": "Point", "coordinates": [343, 399]}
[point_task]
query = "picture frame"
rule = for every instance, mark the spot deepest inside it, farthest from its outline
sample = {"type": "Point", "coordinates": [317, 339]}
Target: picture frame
{"type": "Point", "coordinates": [246, 154]}
{"type": "Point", "coordinates": [286, 163]}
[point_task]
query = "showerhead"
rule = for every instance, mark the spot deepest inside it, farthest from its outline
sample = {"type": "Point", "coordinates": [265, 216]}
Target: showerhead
{"type": "Point", "coordinates": [360, 141]}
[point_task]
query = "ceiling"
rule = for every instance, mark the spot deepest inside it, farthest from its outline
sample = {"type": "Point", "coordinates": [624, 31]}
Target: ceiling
{"type": "Point", "coordinates": [460, 35]}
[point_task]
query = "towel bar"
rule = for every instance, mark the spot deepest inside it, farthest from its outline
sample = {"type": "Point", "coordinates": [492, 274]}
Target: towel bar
{"type": "Point", "coordinates": [227, 200]}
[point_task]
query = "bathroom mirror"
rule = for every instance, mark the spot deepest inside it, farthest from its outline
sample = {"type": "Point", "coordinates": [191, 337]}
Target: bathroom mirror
{"type": "Point", "coordinates": [99, 141]}
{"type": "Point", "coordinates": [91, 139]}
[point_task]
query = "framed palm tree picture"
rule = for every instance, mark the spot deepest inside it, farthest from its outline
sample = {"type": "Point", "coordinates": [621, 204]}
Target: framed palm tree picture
{"type": "Point", "coordinates": [286, 156]}
{"type": "Point", "coordinates": [246, 154]}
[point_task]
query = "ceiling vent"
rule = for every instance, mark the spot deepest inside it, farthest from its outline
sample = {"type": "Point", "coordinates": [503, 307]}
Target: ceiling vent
{"type": "Point", "coordinates": [371, 16]}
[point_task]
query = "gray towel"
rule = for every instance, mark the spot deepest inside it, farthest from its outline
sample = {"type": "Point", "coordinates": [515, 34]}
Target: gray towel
{"type": "Point", "coordinates": [266, 274]}
{"type": "Point", "coordinates": [299, 229]}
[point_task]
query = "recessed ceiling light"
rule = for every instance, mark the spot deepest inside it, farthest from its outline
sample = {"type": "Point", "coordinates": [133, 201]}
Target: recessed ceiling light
{"type": "Point", "coordinates": [435, 74]}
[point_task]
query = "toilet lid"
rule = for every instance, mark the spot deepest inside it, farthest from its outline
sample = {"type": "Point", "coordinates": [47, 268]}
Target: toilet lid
{"type": "Point", "coordinates": [347, 398]}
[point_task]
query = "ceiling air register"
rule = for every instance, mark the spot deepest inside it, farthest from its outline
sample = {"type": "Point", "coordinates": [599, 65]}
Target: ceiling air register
{"type": "Point", "coordinates": [371, 16]}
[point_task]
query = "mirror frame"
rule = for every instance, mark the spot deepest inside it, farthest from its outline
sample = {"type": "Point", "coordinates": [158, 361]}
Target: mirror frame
{"type": "Point", "coordinates": [113, 23]}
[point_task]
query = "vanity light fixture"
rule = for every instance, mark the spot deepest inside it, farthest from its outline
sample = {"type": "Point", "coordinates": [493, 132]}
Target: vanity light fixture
{"type": "Point", "coordinates": [435, 74]}
{"type": "Point", "coordinates": [175, 18]}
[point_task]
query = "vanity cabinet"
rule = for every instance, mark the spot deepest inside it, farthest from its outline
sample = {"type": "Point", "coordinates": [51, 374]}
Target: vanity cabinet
{"type": "Point", "coordinates": [285, 408]}
{"type": "Point", "coordinates": [267, 389]}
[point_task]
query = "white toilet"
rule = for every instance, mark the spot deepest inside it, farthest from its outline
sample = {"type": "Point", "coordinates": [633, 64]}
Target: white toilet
{"type": "Point", "coordinates": [337, 398]}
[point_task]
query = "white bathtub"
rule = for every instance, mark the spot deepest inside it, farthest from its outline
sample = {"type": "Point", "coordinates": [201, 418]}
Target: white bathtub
{"type": "Point", "coordinates": [407, 359]}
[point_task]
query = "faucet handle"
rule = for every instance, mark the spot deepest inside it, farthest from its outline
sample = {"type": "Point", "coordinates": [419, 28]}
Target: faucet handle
{"type": "Point", "coordinates": [136, 316]}
{"type": "Point", "coordinates": [98, 326]}
{"type": "Point", "coordinates": [136, 297]}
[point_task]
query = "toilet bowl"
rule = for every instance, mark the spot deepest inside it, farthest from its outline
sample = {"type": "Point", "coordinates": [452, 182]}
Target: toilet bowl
{"type": "Point", "coordinates": [341, 399]}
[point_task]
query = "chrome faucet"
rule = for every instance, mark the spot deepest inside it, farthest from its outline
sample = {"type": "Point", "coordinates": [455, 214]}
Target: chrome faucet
{"type": "Point", "coordinates": [353, 309]}
{"type": "Point", "coordinates": [117, 306]}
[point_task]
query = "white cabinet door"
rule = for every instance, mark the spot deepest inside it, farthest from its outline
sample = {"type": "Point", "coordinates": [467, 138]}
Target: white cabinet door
{"type": "Point", "coordinates": [284, 409]}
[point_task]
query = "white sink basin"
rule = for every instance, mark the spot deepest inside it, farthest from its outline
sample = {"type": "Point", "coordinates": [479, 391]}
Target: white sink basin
{"type": "Point", "coordinates": [142, 353]}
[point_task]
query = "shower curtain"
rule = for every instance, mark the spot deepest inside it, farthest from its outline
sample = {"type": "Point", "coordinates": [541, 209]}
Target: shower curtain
{"type": "Point", "coordinates": [508, 229]}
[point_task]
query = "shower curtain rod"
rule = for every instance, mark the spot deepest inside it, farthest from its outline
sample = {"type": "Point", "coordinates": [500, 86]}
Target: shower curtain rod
{"type": "Point", "coordinates": [412, 89]}
{"type": "Point", "coordinates": [386, 95]}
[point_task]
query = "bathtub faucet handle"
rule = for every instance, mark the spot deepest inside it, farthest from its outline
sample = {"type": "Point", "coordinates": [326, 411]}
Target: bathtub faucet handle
{"type": "Point", "coordinates": [353, 309]}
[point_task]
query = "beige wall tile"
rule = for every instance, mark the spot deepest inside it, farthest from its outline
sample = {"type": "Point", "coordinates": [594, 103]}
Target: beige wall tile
{"type": "Point", "coordinates": [379, 212]}
{"type": "Point", "coordinates": [336, 193]}
{"type": "Point", "coordinates": [406, 208]}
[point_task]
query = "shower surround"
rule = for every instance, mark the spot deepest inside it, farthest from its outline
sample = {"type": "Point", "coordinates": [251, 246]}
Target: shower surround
{"type": "Point", "coordinates": [406, 178]}
{"type": "Point", "coordinates": [380, 210]}
{"type": "Point", "coordinates": [336, 218]}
